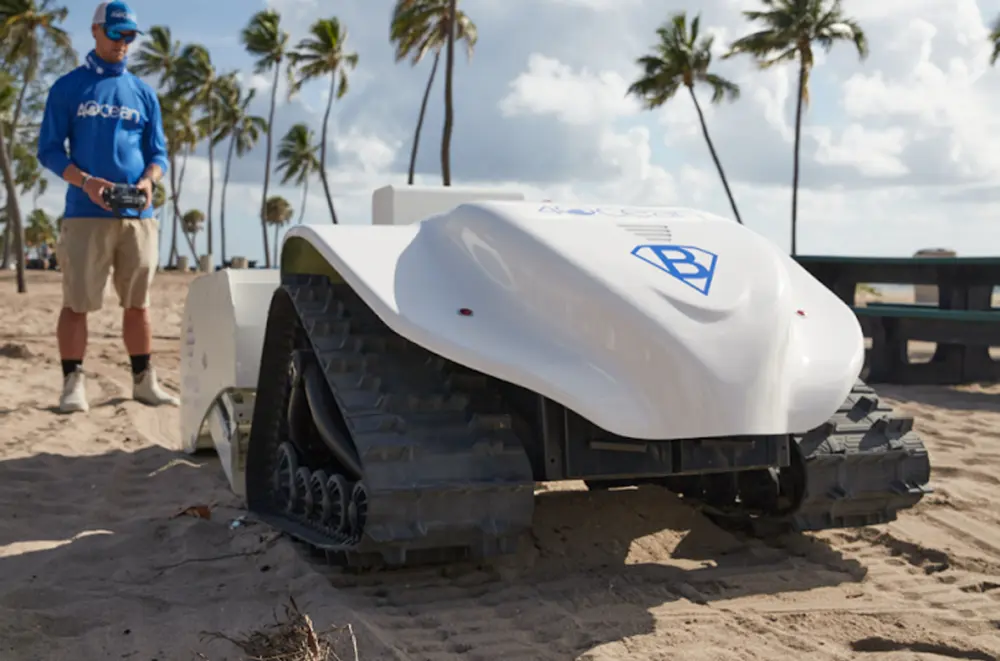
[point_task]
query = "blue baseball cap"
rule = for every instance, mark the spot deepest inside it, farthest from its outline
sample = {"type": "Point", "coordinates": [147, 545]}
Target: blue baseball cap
{"type": "Point", "coordinates": [116, 16]}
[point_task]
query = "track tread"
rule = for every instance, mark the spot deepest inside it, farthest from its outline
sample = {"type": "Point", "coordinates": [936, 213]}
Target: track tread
{"type": "Point", "coordinates": [442, 467]}
{"type": "Point", "coordinates": [861, 468]}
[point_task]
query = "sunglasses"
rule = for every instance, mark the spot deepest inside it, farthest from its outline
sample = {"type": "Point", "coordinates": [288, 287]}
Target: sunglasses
{"type": "Point", "coordinates": [117, 35]}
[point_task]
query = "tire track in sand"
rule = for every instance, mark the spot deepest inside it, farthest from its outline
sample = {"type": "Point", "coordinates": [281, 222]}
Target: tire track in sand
{"type": "Point", "coordinates": [602, 567]}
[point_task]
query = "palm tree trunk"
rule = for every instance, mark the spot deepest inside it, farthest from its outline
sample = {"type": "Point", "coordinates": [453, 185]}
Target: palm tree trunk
{"type": "Point", "coordinates": [211, 185]}
{"type": "Point", "coordinates": [177, 206]}
{"type": "Point", "coordinates": [222, 202]}
{"type": "Point", "coordinates": [795, 167]}
{"type": "Point", "coordinates": [15, 120]}
{"type": "Point", "coordinates": [13, 214]}
{"type": "Point", "coordinates": [305, 196]}
{"type": "Point", "coordinates": [8, 235]}
{"type": "Point", "coordinates": [5, 259]}
{"type": "Point", "coordinates": [420, 118]}
{"type": "Point", "coordinates": [190, 236]}
{"type": "Point", "coordinates": [172, 257]}
{"type": "Point", "coordinates": [174, 253]}
{"type": "Point", "coordinates": [715, 157]}
{"type": "Point", "coordinates": [322, 147]}
{"type": "Point", "coordinates": [276, 227]}
{"type": "Point", "coordinates": [267, 165]}
{"type": "Point", "coordinates": [449, 107]}
{"type": "Point", "coordinates": [29, 74]}
{"type": "Point", "coordinates": [184, 164]}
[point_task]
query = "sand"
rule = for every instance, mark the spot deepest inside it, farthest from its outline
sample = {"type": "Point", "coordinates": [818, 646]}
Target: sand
{"type": "Point", "coordinates": [96, 563]}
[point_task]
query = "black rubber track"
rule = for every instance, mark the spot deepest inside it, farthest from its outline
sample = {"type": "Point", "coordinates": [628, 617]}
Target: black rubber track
{"type": "Point", "coordinates": [444, 476]}
{"type": "Point", "coordinates": [860, 468]}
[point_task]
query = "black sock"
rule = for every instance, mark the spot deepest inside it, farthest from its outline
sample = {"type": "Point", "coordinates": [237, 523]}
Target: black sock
{"type": "Point", "coordinates": [69, 366]}
{"type": "Point", "coordinates": [139, 363]}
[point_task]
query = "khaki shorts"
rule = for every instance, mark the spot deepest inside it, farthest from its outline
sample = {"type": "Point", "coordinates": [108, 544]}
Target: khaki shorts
{"type": "Point", "coordinates": [87, 250]}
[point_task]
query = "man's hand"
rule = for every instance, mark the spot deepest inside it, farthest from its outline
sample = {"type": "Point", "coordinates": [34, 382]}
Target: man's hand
{"type": "Point", "coordinates": [94, 188]}
{"type": "Point", "coordinates": [146, 186]}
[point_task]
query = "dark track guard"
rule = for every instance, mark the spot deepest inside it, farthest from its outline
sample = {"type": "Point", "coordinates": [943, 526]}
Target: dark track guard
{"type": "Point", "coordinates": [575, 449]}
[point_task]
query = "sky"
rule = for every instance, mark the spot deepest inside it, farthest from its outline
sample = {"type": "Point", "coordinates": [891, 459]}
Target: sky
{"type": "Point", "coordinates": [900, 151]}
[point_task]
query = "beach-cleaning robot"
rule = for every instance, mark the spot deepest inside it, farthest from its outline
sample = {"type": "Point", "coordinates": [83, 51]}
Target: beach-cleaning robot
{"type": "Point", "coordinates": [392, 394]}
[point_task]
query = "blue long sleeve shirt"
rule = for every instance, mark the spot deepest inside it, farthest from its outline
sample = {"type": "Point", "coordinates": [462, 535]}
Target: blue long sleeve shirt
{"type": "Point", "coordinates": [111, 119]}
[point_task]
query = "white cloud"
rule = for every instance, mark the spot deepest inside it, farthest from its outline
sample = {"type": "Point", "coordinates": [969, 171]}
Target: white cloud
{"type": "Point", "coordinates": [899, 152]}
{"type": "Point", "coordinates": [937, 80]}
{"type": "Point", "coordinates": [369, 151]}
{"type": "Point", "coordinates": [595, 102]}
{"type": "Point", "coordinates": [598, 5]}
{"type": "Point", "coordinates": [874, 153]}
{"type": "Point", "coordinates": [549, 87]}
{"type": "Point", "coordinates": [262, 83]}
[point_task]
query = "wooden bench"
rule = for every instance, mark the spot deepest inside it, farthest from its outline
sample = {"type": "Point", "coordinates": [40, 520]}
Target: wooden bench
{"type": "Point", "coordinates": [892, 325]}
{"type": "Point", "coordinates": [957, 323]}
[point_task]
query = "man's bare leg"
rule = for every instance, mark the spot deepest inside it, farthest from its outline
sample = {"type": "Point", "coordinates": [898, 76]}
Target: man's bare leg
{"type": "Point", "coordinates": [137, 332]}
{"type": "Point", "coordinates": [71, 333]}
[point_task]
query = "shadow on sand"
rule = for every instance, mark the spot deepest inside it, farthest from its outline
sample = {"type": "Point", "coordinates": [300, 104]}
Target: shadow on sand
{"type": "Point", "coordinates": [589, 573]}
{"type": "Point", "coordinates": [946, 397]}
{"type": "Point", "coordinates": [50, 497]}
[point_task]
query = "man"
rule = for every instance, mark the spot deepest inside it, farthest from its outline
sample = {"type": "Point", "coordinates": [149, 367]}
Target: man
{"type": "Point", "coordinates": [112, 121]}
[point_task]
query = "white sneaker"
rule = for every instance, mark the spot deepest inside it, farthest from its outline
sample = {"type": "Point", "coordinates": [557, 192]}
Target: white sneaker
{"type": "Point", "coordinates": [74, 394]}
{"type": "Point", "coordinates": [147, 390]}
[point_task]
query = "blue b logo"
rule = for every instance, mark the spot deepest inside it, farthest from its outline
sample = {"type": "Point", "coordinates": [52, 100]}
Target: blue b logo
{"type": "Point", "coordinates": [693, 266]}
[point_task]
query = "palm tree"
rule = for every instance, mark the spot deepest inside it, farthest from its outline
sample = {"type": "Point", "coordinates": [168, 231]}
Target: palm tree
{"type": "Point", "coordinates": [157, 55]}
{"type": "Point", "coordinates": [39, 230]}
{"type": "Point", "coordinates": [181, 135]}
{"type": "Point", "coordinates": [449, 98]}
{"type": "Point", "coordinates": [197, 80]}
{"type": "Point", "coordinates": [27, 170]}
{"type": "Point", "coordinates": [12, 207]}
{"type": "Point", "coordinates": [263, 38]}
{"type": "Point", "coordinates": [297, 158]}
{"type": "Point", "coordinates": [159, 199]}
{"type": "Point", "coordinates": [323, 54]}
{"type": "Point", "coordinates": [12, 210]}
{"type": "Point", "coordinates": [681, 59]}
{"type": "Point", "coordinates": [159, 196]}
{"type": "Point", "coordinates": [27, 178]}
{"type": "Point", "coordinates": [243, 131]}
{"type": "Point", "coordinates": [277, 212]}
{"type": "Point", "coordinates": [28, 29]}
{"type": "Point", "coordinates": [41, 186]}
{"type": "Point", "coordinates": [192, 222]}
{"type": "Point", "coordinates": [789, 29]}
{"type": "Point", "coordinates": [420, 26]}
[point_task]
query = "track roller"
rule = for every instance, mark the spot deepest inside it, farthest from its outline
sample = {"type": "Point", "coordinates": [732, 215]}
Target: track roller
{"type": "Point", "coordinates": [336, 515]}
{"type": "Point", "coordinates": [285, 484]}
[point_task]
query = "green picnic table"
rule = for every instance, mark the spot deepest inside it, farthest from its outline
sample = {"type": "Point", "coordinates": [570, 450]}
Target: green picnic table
{"type": "Point", "coordinates": [964, 323]}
